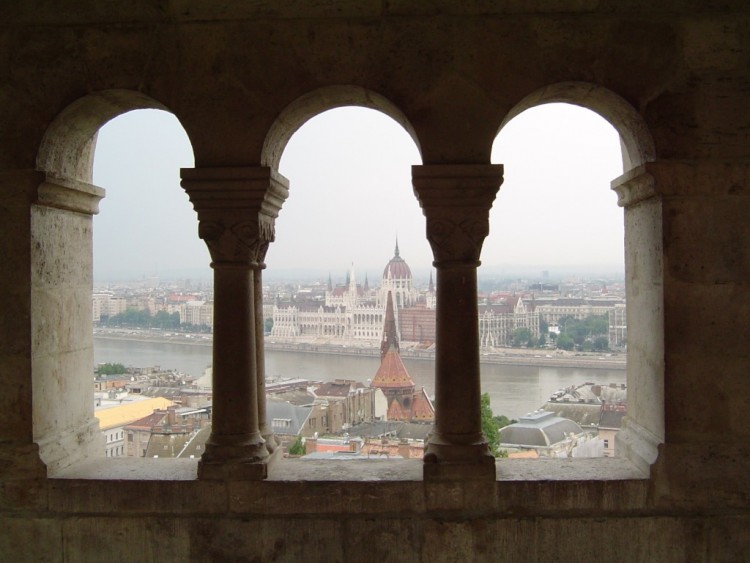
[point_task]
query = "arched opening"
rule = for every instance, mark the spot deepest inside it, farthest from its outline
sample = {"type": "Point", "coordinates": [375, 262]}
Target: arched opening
{"type": "Point", "coordinates": [565, 223]}
{"type": "Point", "coordinates": [350, 209]}
{"type": "Point", "coordinates": [62, 279]}
{"type": "Point", "coordinates": [153, 297]}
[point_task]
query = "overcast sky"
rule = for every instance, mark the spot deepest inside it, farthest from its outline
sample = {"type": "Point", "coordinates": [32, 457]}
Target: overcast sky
{"type": "Point", "coordinates": [351, 197]}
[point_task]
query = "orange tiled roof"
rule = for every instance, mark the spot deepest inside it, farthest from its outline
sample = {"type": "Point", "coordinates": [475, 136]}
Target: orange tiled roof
{"type": "Point", "coordinates": [392, 372]}
{"type": "Point", "coordinates": [421, 407]}
{"type": "Point", "coordinates": [396, 412]}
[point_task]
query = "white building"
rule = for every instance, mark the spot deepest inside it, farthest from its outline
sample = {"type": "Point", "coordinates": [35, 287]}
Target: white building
{"type": "Point", "coordinates": [349, 311]}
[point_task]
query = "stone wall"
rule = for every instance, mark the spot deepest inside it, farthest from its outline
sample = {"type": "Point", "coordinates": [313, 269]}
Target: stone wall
{"type": "Point", "coordinates": [242, 77]}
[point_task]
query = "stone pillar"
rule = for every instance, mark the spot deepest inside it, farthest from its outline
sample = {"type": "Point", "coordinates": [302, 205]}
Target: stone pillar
{"type": "Point", "coordinates": [704, 258]}
{"type": "Point", "coordinates": [456, 200]}
{"type": "Point", "coordinates": [265, 429]}
{"type": "Point", "coordinates": [62, 355]}
{"type": "Point", "coordinates": [643, 428]}
{"type": "Point", "coordinates": [237, 208]}
{"type": "Point", "coordinates": [19, 455]}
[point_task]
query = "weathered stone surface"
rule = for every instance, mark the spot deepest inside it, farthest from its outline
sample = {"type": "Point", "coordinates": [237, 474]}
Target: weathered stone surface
{"type": "Point", "coordinates": [28, 539]}
{"type": "Point", "coordinates": [671, 77]}
{"type": "Point", "coordinates": [147, 539]}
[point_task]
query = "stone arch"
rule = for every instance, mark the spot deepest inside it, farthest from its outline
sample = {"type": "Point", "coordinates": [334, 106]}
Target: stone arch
{"type": "Point", "coordinates": [643, 428]}
{"type": "Point", "coordinates": [635, 137]}
{"type": "Point", "coordinates": [64, 426]}
{"type": "Point", "coordinates": [67, 148]}
{"type": "Point", "coordinates": [296, 114]}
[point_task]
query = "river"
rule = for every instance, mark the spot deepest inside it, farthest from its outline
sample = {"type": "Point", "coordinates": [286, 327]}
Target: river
{"type": "Point", "coordinates": [514, 390]}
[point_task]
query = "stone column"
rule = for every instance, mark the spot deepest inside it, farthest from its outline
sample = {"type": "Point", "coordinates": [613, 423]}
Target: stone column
{"type": "Point", "coordinates": [643, 428]}
{"type": "Point", "coordinates": [456, 200]}
{"type": "Point", "coordinates": [62, 353]}
{"type": "Point", "coordinates": [237, 208]}
{"type": "Point", "coordinates": [701, 210]}
{"type": "Point", "coordinates": [265, 430]}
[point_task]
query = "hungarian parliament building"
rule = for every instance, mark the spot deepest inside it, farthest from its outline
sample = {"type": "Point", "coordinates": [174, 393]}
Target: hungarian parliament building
{"type": "Point", "coordinates": [353, 312]}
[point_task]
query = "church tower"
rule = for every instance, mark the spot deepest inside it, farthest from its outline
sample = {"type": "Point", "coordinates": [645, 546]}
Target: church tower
{"type": "Point", "coordinates": [394, 380]}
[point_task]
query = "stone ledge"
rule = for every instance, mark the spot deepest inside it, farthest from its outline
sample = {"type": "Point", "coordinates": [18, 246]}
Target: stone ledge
{"type": "Point", "coordinates": [295, 470]}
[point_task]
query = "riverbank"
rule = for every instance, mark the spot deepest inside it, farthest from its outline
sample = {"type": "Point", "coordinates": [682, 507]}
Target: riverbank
{"type": "Point", "coordinates": [506, 356]}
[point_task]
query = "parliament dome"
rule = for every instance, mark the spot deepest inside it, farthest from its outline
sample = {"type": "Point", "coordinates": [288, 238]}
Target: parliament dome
{"type": "Point", "coordinates": [397, 268]}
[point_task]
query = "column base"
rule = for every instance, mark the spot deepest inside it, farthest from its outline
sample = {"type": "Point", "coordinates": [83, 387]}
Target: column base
{"type": "Point", "coordinates": [458, 458]}
{"type": "Point", "coordinates": [237, 469]}
{"type": "Point", "coordinates": [271, 442]}
{"type": "Point", "coordinates": [21, 462]}
{"type": "Point", "coordinates": [457, 448]}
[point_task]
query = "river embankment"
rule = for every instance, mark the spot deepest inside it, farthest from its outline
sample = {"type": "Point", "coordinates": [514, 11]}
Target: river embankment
{"type": "Point", "coordinates": [506, 356]}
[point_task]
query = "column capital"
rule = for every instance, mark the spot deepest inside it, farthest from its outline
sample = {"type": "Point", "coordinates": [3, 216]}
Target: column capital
{"type": "Point", "coordinates": [70, 195]}
{"type": "Point", "coordinates": [456, 200]}
{"type": "Point", "coordinates": [633, 187]}
{"type": "Point", "coordinates": [237, 210]}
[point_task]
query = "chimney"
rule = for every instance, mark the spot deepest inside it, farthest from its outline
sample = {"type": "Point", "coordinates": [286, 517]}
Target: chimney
{"type": "Point", "coordinates": [311, 445]}
{"type": "Point", "coordinates": [171, 415]}
{"type": "Point", "coordinates": [404, 448]}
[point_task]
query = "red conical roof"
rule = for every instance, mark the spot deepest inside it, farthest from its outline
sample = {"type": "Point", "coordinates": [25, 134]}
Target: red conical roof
{"type": "Point", "coordinates": [392, 373]}
{"type": "Point", "coordinates": [421, 407]}
{"type": "Point", "coordinates": [396, 412]}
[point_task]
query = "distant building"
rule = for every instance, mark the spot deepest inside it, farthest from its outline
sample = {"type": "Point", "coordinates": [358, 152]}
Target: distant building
{"type": "Point", "coordinates": [551, 310]}
{"type": "Point", "coordinates": [618, 327]}
{"type": "Point", "coordinates": [350, 403]}
{"type": "Point", "coordinates": [609, 425]}
{"type": "Point", "coordinates": [164, 433]}
{"type": "Point", "coordinates": [497, 322]}
{"type": "Point", "coordinates": [197, 313]}
{"type": "Point", "coordinates": [392, 377]}
{"type": "Point", "coordinates": [353, 312]}
{"type": "Point", "coordinates": [112, 421]}
{"type": "Point", "coordinates": [549, 436]}
{"type": "Point", "coordinates": [596, 408]}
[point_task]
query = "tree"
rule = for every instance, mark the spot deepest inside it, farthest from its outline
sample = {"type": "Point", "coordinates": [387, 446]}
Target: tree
{"type": "Point", "coordinates": [501, 421]}
{"type": "Point", "coordinates": [268, 325]}
{"type": "Point", "coordinates": [489, 427]}
{"type": "Point", "coordinates": [522, 337]}
{"type": "Point", "coordinates": [601, 343]}
{"type": "Point", "coordinates": [110, 369]}
{"type": "Point", "coordinates": [565, 342]}
{"type": "Point", "coordinates": [298, 447]}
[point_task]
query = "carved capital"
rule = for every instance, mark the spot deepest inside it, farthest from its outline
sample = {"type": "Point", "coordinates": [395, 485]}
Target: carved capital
{"type": "Point", "coordinates": [232, 239]}
{"type": "Point", "coordinates": [456, 200]}
{"type": "Point", "coordinates": [237, 210]}
{"type": "Point", "coordinates": [70, 194]}
{"type": "Point", "coordinates": [633, 187]}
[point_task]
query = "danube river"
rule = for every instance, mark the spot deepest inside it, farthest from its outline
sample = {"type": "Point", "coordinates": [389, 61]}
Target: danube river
{"type": "Point", "coordinates": [514, 390]}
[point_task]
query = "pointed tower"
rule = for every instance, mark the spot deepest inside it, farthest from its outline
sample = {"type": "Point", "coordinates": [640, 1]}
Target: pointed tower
{"type": "Point", "coordinates": [392, 377]}
{"type": "Point", "coordinates": [431, 287]}
{"type": "Point", "coordinates": [367, 285]}
{"type": "Point", "coordinates": [390, 334]}
{"type": "Point", "coordinates": [352, 289]}
{"type": "Point", "coordinates": [330, 282]}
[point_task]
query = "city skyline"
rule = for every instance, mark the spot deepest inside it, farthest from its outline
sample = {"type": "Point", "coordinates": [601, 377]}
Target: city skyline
{"type": "Point", "coordinates": [147, 226]}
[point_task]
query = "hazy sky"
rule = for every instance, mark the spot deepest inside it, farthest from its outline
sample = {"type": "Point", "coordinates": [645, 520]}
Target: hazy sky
{"type": "Point", "coordinates": [351, 196]}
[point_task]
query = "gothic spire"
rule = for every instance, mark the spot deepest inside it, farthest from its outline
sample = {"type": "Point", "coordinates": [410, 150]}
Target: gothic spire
{"type": "Point", "coordinates": [330, 282]}
{"type": "Point", "coordinates": [432, 285]}
{"type": "Point", "coordinates": [390, 335]}
{"type": "Point", "coordinates": [396, 251]}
